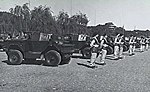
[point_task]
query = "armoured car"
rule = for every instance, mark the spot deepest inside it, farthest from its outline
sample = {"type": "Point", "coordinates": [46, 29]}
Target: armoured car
{"type": "Point", "coordinates": [52, 49]}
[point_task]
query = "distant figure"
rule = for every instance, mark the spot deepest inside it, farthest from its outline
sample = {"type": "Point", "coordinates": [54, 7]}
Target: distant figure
{"type": "Point", "coordinates": [118, 48]}
{"type": "Point", "coordinates": [147, 43]}
{"type": "Point", "coordinates": [26, 36]}
{"type": "Point", "coordinates": [131, 43]}
{"type": "Point", "coordinates": [142, 44]}
{"type": "Point", "coordinates": [121, 43]}
{"type": "Point", "coordinates": [9, 37]}
{"type": "Point", "coordinates": [134, 43]}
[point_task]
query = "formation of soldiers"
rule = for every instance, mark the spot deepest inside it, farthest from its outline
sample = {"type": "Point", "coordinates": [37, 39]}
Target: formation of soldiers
{"type": "Point", "coordinates": [100, 43]}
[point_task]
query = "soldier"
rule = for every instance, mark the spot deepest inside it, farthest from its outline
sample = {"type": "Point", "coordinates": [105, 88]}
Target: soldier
{"type": "Point", "coordinates": [147, 43]}
{"type": "Point", "coordinates": [134, 43]}
{"type": "Point", "coordinates": [94, 48]}
{"type": "Point", "coordinates": [9, 37]}
{"type": "Point", "coordinates": [131, 41]}
{"type": "Point", "coordinates": [121, 43]}
{"type": "Point", "coordinates": [103, 52]}
{"type": "Point", "coordinates": [142, 44]}
{"type": "Point", "coordinates": [118, 48]}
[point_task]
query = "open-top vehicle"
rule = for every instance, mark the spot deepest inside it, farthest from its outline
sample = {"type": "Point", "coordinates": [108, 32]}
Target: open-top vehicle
{"type": "Point", "coordinates": [54, 49]}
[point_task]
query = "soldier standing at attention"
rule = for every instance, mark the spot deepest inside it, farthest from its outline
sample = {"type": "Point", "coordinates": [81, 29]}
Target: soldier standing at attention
{"type": "Point", "coordinates": [116, 47]}
{"type": "Point", "coordinates": [121, 43]}
{"type": "Point", "coordinates": [134, 43]}
{"type": "Point", "coordinates": [131, 39]}
{"type": "Point", "coordinates": [147, 43]}
{"type": "Point", "coordinates": [142, 44]}
{"type": "Point", "coordinates": [94, 49]}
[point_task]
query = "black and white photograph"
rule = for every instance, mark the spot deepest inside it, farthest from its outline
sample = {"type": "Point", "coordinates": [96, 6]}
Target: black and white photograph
{"type": "Point", "coordinates": [74, 45]}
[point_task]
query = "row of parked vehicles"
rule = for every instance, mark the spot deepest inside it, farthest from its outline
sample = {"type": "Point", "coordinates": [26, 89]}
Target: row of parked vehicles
{"type": "Point", "coordinates": [52, 49]}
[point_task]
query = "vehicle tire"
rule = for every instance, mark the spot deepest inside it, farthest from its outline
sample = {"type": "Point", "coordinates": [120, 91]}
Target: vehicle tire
{"type": "Point", "coordinates": [109, 50]}
{"type": "Point", "coordinates": [15, 57]}
{"type": "Point", "coordinates": [125, 48]}
{"type": "Point", "coordinates": [52, 58]}
{"type": "Point", "coordinates": [86, 53]}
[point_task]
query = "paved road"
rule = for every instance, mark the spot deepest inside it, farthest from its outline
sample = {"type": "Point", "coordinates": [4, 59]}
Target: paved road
{"type": "Point", "coordinates": [132, 74]}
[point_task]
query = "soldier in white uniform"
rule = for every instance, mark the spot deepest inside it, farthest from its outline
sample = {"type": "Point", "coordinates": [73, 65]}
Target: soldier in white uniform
{"type": "Point", "coordinates": [103, 52]}
{"type": "Point", "coordinates": [147, 43]}
{"type": "Point", "coordinates": [134, 43]}
{"type": "Point", "coordinates": [94, 48]}
{"type": "Point", "coordinates": [131, 42]}
{"type": "Point", "coordinates": [142, 43]}
{"type": "Point", "coordinates": [121, 43]}
{"type": "Point", "coordinates": [118, 48]}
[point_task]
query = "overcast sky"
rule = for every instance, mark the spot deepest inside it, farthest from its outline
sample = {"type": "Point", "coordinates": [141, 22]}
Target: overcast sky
{"type": "Point", "coordinates": [133, 14]}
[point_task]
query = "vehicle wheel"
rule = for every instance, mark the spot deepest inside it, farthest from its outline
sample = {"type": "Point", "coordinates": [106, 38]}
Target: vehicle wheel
{"type": "Point", "coordinates": [52, 58]}
{"type": "Point", "coordinates": [15, 57]}
{"type": "Point", "coordinates": [125, 48]}
{"type": "Point", "coordinates": [86, 53]}
{"type": "Point", "coordinates": [109, 50]}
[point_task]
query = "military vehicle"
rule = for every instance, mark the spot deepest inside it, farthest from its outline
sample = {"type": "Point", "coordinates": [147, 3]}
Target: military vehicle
{"type": "Point", "coordinates": [53, 49]}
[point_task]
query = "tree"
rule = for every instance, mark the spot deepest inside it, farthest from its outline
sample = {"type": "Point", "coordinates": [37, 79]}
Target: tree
{"type": "Point", "coordinates": [43, 21]}
{"type": "Point", "coordinates": [26, 16]}
{"type": "Point", "coordinates": [75, 24]}
{"type": "Point", "coordinates": [63, 21]}
{"type": "Point", "coordinates": [80, 19]}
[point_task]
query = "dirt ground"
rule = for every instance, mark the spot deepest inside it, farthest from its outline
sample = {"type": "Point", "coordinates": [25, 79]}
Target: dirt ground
{"type": "Point", "coordinates": [131, 74]}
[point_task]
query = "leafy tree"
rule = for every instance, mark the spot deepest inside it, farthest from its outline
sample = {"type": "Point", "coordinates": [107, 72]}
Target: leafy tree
{"type": "Point", "coordinates": [43, 21]}
{"type": "Point", "coordinates": [63, 21]}
{"type": "Point", "coordinates": [80, 19]}
{"type": "Point", "coordinates": [75, 24]}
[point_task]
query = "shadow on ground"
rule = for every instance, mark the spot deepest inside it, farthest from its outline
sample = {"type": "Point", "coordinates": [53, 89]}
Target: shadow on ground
{"type": "Point", "coordinates": [35, 62]}
{"type": "Point", "coordinates": [80, 57]}
{"type": "Point", "coordinates": [86, 65]}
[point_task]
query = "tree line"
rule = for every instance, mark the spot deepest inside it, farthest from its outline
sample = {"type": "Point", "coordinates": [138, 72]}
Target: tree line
{"type": "Point", "coordinates": [41, 19]}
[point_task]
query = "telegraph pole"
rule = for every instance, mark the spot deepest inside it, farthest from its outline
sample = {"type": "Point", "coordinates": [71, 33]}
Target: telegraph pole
{"type": "Point", "coordinates": [29, 4]}
{"type": "Point", "coordinates": [71, 8]}
{"type": "Point", "coordinates": [95, 18]}
{"type": "Point", "coordinates": [134, 27]}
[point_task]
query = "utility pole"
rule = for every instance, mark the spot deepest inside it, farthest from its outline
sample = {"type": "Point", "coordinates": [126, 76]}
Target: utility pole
{"type": "Point", "coordinates": [71, 8]}
{"type": "Point", "coordinates": [95, 18]}
{"type": "Point", "coordinates": [134, 27]}
{"type": "Point", "coordinates": [29, 4]}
